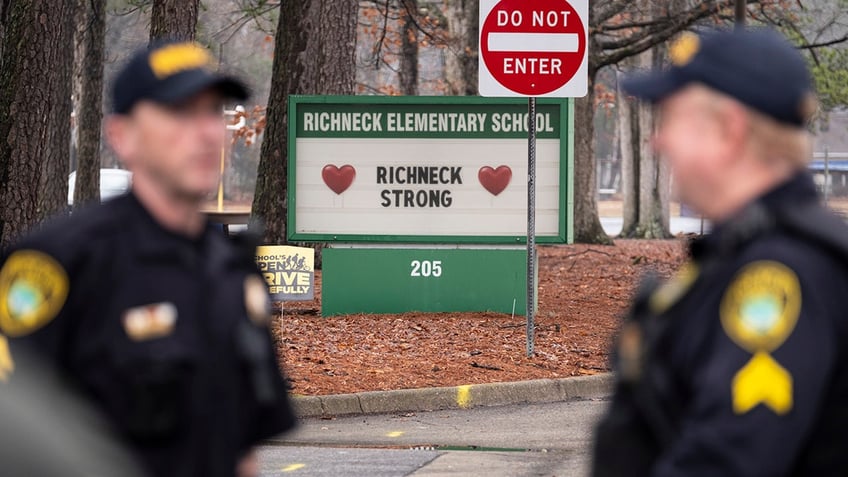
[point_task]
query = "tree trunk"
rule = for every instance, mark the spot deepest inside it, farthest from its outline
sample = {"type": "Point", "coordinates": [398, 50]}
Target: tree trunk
{"type": "Point", "coordinates": [587, 225]}
{"type": "Point", "coordinates": [313, 54]}
{"type": "Point", "coordinates": [653, 174]}
{"type": "Point", "coordinates": [628, 123]}
{"type": "Point", "coordinates": [35, 112]}
{"type": "Point", "coordinates": [89, 113]}
{"type": "Point", "coordinates": [173, 20]}
{"type": "Point", "coordinates": [3, 9]}
{"type": "Point", "coordinates": [408, 71]}
{"type": "Point", "coordinates": [653, 223]}
{"type": "Point", "coordinates": [80, 19]}
{"type": "Point", "coordinates": [461, 57]}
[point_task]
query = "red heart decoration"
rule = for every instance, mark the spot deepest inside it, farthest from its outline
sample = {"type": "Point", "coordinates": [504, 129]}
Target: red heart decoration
{"type": "Point", "coordinates": [338, 179]}
{"type": "Point", "coordinates": [494, 180]}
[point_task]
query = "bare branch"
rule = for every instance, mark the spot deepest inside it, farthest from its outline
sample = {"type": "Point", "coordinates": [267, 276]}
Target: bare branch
{"type": "Point", "coordinates": [810, 46]}
{"type": "Point", "coordinates": [411, 16]}
{"type": "Point", "coordinates": [615, 51]}
{"type": "Point", "coordinates": [612, 9]}
{"type": "Point", "coordinates": [371, 89]}
{"type": "Point", "coordinates": [246, 12]}
{"type": "Point", "coordinates": [378, 45]}
{"type": "Point", "coordinates": [626, 26]}
{"type": "Point", "coordinates": [676, 22]}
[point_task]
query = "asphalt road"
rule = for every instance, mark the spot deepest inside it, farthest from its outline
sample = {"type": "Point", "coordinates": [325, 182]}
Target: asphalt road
{"type": "Point", "coordinates": [520, 440]}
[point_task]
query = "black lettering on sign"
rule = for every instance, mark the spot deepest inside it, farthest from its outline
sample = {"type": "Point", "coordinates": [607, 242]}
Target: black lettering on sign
{"type": "Point", "coordinates": [456, 177]}
{"type": "Point", "coordinates": [419, 175]}
{"type": "Point", "coordinates": [424, 198]}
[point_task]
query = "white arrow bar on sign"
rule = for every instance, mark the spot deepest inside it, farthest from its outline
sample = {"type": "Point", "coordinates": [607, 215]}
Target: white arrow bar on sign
{"type": "Point", "coordinates": [541, 42]}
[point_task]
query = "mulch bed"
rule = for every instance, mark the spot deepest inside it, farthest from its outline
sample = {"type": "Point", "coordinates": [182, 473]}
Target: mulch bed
{"type": "Point", "coordinates": [583, 291]}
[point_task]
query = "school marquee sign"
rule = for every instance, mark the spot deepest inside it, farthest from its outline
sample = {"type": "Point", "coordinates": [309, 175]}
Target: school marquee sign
{"type": "Point", "coordinates": [425, 169]}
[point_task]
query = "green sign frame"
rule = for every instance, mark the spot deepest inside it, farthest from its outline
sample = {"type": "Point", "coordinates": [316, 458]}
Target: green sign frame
{"type": "Point", "coordinates": [563, 107]}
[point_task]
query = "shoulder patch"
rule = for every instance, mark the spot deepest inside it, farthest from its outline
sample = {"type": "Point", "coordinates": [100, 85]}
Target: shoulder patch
{"type": "Point", "coordinates": [33, 289]}
{"type": "Point", "coordinates": [760, 308]}
{"type": "Point", "coordinates": [758, 312]}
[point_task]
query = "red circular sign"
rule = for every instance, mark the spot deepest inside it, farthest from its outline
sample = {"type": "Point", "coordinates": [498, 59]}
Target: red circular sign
{"type": "Point", "coordinates": [532, 47]}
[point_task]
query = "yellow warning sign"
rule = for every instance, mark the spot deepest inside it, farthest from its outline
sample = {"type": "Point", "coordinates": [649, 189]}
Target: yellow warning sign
{"type": "Point", "coordinates": [288, 271]}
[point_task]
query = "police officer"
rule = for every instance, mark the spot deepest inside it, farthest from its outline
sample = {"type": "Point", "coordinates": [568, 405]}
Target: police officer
{"type": "Point", "coordinates": [152, 315]}
{"type": "Point", "coordinates": [737, 366]}
{"type": "Point", "coordinates": [51, 431]}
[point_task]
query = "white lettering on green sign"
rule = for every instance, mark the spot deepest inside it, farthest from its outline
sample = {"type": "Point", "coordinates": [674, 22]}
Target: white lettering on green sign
{"type": "Point", "coordinates": [515, 122]}
{"type": "Point", "coordinates": [357, 122]}
{"type": "Point", "coordinates": [422, 122]}
{"type": "Point", "coordinates": [436, 122]}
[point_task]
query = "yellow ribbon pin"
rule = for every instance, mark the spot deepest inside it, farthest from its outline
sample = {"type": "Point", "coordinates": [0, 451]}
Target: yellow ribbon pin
{"type": "Point", "coordinates": [762, 380]}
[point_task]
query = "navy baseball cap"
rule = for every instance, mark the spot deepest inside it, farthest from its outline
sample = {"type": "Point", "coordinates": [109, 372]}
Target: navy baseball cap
{"type": "Point", "coordinates": [756, 66]}
{"type": "Point", "coordinates": [169, 73]}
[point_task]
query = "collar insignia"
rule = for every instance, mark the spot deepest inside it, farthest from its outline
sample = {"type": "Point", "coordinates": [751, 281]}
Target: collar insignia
{"type": "Point", "coordinates": [150, 321]}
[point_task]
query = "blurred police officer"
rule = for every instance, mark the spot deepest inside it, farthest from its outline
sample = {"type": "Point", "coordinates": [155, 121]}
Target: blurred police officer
{"type": "Point", "coordinates": [737, 366]}
{"type": "Point", "coordinates": [48, 430]}
{"type": "Point", "coordinates": [151, 314]}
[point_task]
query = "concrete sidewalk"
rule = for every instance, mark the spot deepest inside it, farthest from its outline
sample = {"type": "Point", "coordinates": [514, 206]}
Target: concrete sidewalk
{"type": "Point", "coordinates": [456, 397]}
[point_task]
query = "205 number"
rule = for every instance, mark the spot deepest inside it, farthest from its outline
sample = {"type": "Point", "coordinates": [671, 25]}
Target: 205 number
{"type": "Point", "coordinates": [426, 268]}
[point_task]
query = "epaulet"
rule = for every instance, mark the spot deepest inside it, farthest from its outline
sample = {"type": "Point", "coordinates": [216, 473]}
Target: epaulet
{"type": "Point", "coordinates": [819, 225]}
{"type": "Point", "coordinates": [245, 244]}
{"type": "Point", "coordinates": [66, 235]}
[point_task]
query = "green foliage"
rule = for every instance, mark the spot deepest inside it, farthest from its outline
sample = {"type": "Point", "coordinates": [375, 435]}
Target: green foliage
{"type": "Point", "coordinates": [829, 67]}
{"type": "Point", "coordinates": [821, 30]}
{"type": "Point", "coordinates": [830, 72]}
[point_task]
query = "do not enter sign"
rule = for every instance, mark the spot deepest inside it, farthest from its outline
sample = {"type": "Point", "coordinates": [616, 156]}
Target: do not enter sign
{"type": "Point", "coordinates": [533, 48]}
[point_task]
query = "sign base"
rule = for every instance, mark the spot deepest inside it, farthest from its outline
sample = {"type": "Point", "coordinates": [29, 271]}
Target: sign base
{"type": "Point", "coordinates": [398, 280]}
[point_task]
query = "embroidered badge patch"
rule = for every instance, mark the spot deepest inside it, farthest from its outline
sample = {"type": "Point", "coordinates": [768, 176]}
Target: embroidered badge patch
{"type": "Point", "coordinates": [150, 321]}
{"type": "Point", "coordinates": [761, 307]}
{"type": "Point", "coordinates": [33, 289]}
{"type": "Point", "coordinates": [758, 312]}
{"type": "Point", "coordinates": [256, 300]}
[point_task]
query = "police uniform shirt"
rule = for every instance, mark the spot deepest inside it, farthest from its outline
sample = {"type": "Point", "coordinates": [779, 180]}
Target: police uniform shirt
{"type": "Point", "coordinates": [752, 365]}
{"type": "Point", "coordinates": [167, 335]}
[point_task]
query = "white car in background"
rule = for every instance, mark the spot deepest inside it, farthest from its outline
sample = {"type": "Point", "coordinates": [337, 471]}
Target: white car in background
{"type": "Point", "coordinates": [113, 182]}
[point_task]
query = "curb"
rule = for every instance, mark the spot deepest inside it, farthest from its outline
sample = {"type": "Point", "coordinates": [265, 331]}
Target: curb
{"type": "Point", "coordinates": [455, 397]}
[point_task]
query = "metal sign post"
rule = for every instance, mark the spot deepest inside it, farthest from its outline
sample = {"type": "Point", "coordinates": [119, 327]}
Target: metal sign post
{"type": "Point", "coordinates": [533, 49]}
{"type": "Point", "coordinates": [531, 224]}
